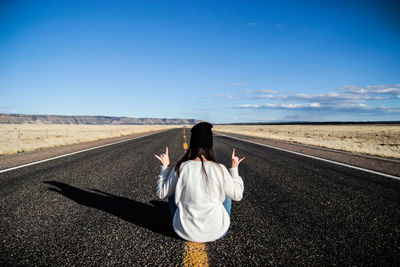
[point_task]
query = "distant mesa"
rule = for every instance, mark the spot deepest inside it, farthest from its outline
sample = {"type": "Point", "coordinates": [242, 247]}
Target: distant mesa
{"type": "Point", "coordinates": [95, 120]}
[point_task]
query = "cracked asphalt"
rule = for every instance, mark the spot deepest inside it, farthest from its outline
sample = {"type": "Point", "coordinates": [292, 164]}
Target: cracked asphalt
{"type": "Point", "coordinates": [100, 208]}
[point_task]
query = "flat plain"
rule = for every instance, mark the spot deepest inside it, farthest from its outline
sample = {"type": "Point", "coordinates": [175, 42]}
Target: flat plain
{"type": "Point", "coordinates": [371, 139]}
{"type": "Point", "coordinates": [15, 138]}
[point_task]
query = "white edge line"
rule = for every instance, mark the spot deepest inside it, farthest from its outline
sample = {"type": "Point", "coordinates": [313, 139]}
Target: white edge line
{"type": "Point", "coordinates": [76, 152]}
{"type": "Point", "coordinates": [336, 151]}
{"type": "Point", "coordinates": [313, 157]}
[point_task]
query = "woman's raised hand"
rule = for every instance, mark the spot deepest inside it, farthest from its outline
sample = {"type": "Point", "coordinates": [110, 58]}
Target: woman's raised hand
{"type": "Point", "coordinates": [235, 160]}
{"type": "Point", "coordinates": [164, 158]}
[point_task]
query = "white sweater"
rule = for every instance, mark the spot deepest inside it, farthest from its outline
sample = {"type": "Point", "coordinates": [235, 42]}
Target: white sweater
{"type": "Point", "coordinates": [200, 216]}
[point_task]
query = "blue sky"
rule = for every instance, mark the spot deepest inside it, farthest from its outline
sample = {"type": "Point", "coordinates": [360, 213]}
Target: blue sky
{"type": "Point", "coordinates": [220, 61]}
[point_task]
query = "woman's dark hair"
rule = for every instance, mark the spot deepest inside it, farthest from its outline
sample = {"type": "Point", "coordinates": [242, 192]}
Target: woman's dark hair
{"type": "Point", "coordinates": [198, 152]}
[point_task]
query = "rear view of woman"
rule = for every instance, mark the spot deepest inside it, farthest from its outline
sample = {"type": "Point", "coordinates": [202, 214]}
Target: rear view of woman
{"type": "Point", "coordinates": [199, 190]}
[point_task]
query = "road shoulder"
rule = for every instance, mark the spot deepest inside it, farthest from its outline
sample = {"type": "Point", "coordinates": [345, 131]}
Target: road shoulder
{"type": "Point", "coordinates": [12, 160]}
{"type": "Point", "coordinates": [384, 165]}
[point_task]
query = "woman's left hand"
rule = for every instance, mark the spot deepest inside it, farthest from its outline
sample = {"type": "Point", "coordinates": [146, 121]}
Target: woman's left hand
{"type": "Point", "coordinates": [235, 160]}
{"type": "Point", "coordinates": [164, 158]}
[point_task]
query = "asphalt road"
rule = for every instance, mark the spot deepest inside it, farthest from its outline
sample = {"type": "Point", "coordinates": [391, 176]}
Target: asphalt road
{"type": "Point", "coordinates": [100, 208]}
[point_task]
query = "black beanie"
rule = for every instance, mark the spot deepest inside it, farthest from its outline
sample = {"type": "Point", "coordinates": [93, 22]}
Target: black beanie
{"type": "Point", "coordinates": [201, 135]}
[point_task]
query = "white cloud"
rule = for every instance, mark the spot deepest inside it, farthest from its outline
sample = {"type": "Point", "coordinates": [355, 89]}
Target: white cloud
{"type": "Point", "coordinates": [315, 105]}
{"type": "Point", "coordinates": [344, 107]}
{"type": "Point", "coordinates": [383, 89]}
{"type": "Point", "coordinates": [353, 89]}
{"type": "Point", "coordinates": [346, 94]}
{"type": "Point", "coordinates": [247, 106]}
{"type": "Point", "coordinates": [228, 96]}
{"type": "Point", "coordinates": [237, 84]}
{"type": "Point", "coordinates": [198, 113]}
{"type": "Point", "coordinates": [353, 95]}
{"type": "Point", "coordinates": [328, 97]}
{"type": "Point", "coordinates": [264, 96]}
{"type": "Point", "coordinates": [264, 91]}
{"type": "Point", "coordinates": [347, 99]}
{"type": "Point", "coordinates": [274, 106]}
{"type": "Point", "coordinates": [290, 105]}
{"type": "Point", "coordinates": [252, 24]}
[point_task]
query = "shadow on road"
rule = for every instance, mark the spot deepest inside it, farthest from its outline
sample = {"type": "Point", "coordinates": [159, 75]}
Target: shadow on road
{"type": "Point", "coordinates": [155, 217]}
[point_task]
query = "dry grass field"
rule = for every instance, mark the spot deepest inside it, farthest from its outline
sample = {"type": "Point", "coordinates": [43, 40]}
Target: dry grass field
{"type": "Point", "coordinates": [379, 140]}
{"type": "Point", "coordinates": [15, 138]}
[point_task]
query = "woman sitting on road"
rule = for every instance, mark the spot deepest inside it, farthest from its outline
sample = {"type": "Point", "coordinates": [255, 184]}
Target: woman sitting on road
{"type": "Point", "coordinates": [200, 190]}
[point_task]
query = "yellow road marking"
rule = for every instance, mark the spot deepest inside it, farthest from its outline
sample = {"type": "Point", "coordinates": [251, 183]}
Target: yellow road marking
{"type": "Point", "coordinates": [185, 145]}
{"type": "Point", "coordinates": [195, 254]}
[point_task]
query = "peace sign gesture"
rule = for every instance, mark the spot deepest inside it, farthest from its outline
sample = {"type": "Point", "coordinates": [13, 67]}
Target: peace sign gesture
{"type": "Point", "coordinates": [235, 160]}
{"type": "Point", "coordinates": [164, 158]}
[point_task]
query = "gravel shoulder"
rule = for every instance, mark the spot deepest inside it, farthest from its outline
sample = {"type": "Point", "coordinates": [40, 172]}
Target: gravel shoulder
{"type": "Point", "coordinates": [385, 165]}
{"type": "Point", "coordinates": [8, 161]}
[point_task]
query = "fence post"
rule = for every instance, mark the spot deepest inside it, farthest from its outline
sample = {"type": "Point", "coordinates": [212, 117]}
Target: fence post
{"type": "Point", "coordinates": [19, 134]}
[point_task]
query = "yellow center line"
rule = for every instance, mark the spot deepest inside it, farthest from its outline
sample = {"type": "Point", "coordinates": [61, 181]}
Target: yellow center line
{"type": "Point", "coordinates": [195, 253]}
{"type": "Point", "coordinates": [185, 145]}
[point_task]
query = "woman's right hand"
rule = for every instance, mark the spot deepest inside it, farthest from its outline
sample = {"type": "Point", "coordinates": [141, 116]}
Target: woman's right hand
{"type": "Point", "coordinates": [235, 160]}
{"type": "Point", "coordinates": [164, 158]}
